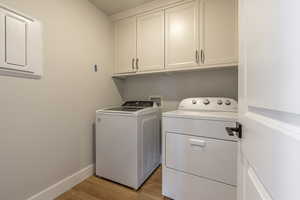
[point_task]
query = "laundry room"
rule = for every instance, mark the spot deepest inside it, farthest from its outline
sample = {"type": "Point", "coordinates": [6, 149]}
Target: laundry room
{"type": "Point", "coordinates": [149, 100]}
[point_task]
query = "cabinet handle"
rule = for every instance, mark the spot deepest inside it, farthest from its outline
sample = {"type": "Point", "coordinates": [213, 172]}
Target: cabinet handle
{"type": "Point", "coordinates": [197, 56]}
{"type": "Point", "coordinates": [202, 56]}
{"type": "Point", "coordinates": [132, 64]}
{"type": "Point", "coordinates": [137, 63]}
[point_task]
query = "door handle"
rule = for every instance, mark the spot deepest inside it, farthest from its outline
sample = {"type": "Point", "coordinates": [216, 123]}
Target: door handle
{"type": "Point", "coordinates": [199, 143]}
{"type": "Point", "coordinates": [235, 131]}
{"type": "Point", "coordinates": [132, 63]}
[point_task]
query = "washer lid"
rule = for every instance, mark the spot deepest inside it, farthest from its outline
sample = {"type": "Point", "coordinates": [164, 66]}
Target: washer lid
{"type": "Point", "coordinates": [219, 116]}
{"type": "Point", "coordinates": [124, 109]}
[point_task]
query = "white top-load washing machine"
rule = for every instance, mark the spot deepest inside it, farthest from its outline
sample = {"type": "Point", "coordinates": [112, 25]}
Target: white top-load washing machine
{"type": "Point", "coordinates": [199, 156]}
{"type": "Point", "coordinates": [128, 142]}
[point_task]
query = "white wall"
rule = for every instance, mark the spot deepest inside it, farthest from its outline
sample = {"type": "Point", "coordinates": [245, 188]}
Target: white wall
{"type": "Point", "coordinates": [46, 125]}
{"type": "Point", "coordinates": [177, 86]}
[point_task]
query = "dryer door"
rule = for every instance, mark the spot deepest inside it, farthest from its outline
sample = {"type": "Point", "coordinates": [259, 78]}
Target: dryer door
{"type": "Point", "coordinates": [209, 158]}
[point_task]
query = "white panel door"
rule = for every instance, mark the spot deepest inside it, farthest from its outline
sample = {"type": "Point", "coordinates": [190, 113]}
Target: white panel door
{"type": "Point", "coordinates": [182, 36]}
{"type": "Point", "coordinates": [219, 34]}
{"type": "Point", "coordinates": [125, 45]}
{"type": "Point", "coordinates": [150, 41]}
{"type": "Point", "coordinates": [269, 100]}
{"type": "Point", "coordinates": [20, 43]}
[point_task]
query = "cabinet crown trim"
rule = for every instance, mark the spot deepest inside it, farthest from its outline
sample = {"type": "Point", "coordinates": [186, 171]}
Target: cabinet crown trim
{"type": "Point", "coordinates": [17, 13]}
{"type": "Point", "coordinates": [147, 7]}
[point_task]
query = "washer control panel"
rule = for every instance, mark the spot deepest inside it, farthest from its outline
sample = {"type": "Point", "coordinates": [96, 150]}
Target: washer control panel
{"type": "Point", "coordinates": [214, 104]}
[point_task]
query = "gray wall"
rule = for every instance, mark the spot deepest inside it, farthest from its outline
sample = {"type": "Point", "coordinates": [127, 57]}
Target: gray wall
{"type": "Point", "coordinates": [176, 86]}
{"type": "Point", "coordinates": [46, 125]}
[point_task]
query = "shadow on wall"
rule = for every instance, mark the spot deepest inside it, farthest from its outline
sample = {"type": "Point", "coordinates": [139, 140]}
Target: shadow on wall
{"type": "Point", "coordinates": [173, 87]}
{"type": "Point", "coordinates": [119, 83]}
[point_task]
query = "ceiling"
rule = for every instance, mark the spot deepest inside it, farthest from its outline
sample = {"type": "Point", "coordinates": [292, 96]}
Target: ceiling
{"type": "Point", "coordinates": [111, 7]}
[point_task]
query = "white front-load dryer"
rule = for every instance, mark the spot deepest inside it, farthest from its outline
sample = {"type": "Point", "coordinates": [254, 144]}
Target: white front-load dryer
{"type": "Point", "coordinates": [199, 156]}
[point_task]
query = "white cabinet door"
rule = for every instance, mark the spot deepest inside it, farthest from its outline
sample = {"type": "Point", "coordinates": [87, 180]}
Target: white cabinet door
{"type": "Point", "coordinates": [150, 41]}
{"type": "Point", "coordinates": [125, 45]}
{"type": "Point", "coordinates": [20, 43]}
{"type": "Point", "coordinates": [218, 27]}
{"type": "Point", "coordinates": [182, 35]}
{"type": "Point", "coordinates": [269, 99]}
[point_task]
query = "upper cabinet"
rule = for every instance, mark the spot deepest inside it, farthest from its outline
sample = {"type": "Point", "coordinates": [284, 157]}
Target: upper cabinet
{"type": "Point", "coordinates": [20, 44]}
{"type": "Point", "coordinates": [218, 32]}
{"type": "Point", "coordinates": [139, 43]}
{"type": "Point", "coordinates": [182, 36]}
{"type": "Point", "coordinates": [125, 45]}
{"type": "Point", "coordinates": [150, 41]}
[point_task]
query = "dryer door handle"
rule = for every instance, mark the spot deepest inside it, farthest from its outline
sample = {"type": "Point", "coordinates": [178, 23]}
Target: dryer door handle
{"type": "Point", "coordinates": [199, 143]}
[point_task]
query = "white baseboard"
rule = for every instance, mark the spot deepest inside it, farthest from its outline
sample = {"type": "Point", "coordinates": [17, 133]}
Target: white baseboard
{"type": "Point", "coordinates": [64, 185]}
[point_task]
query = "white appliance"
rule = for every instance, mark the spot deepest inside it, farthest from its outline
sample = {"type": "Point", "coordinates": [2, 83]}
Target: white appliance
{"type": "Point", "coordinates": [128, 142]}
{"type": "Point", "coordinates": [199, 156]}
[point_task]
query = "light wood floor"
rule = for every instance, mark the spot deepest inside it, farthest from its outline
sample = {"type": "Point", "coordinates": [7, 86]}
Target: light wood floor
{"type": "Point", "coordinates": [95, 188]}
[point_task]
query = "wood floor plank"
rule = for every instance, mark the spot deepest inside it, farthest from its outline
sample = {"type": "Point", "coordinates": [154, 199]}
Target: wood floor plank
{"type": "Point", "coordinates": [95, 188]}
{"type": "Point", "coordinates": [76, 195]}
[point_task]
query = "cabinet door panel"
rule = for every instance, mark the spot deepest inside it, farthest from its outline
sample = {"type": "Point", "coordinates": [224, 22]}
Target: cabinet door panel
{"type": "Point", "coordinates": [125, 45]}
{"type": "Point", "coordinates": [219, 33]}
{"type": "Point", "coordinates": [15, 40]}
{"type": "Point", "coordinates": [21, 44]}
{"type": "Point", "coordinates": [21, 49]}
{"type": "Point", "coordinates": [182, 35]}
{"type": "Point", "coordinates": [150, 42]}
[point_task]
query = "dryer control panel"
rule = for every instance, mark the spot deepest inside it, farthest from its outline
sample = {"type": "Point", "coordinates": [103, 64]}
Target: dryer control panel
{"type": "Point", "coordinates": [211, 104]}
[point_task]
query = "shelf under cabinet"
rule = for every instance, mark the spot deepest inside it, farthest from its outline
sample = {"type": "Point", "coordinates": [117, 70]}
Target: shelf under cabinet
{"type": "Point", "coordinates": [198, 68]}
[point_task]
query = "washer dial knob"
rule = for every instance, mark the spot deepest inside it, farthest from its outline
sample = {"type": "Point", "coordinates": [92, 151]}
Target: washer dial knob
{"type": "Point", "coordinates": [206, 102]}
{"type": "Point", "coordinates": [228, 103]}
{"type": "Point", "coordinates": [194, 101]}
{"type": "Point", "coordinates": [220, 102]}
